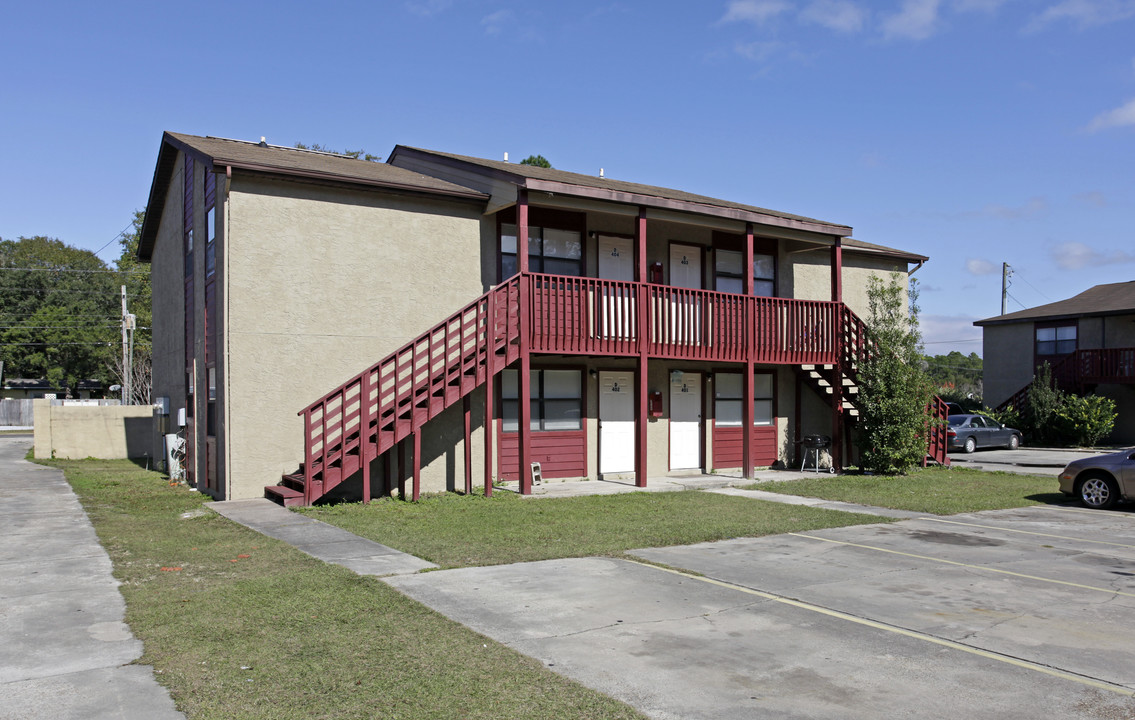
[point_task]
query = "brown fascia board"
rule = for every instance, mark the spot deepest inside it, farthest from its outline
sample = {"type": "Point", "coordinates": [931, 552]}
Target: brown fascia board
{"type": "Point", "coordinates": [1049, 318]}
{"type": "Point", "coordinates": [619, 196]}
{"type": "Point", "coordinates": [164, 170]}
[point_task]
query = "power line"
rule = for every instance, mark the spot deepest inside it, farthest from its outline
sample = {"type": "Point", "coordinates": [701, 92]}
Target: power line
{"type": "Point", "coordinates": [76, 270]}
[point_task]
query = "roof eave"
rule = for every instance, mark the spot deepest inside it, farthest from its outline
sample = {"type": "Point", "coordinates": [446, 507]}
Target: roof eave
{"type": "Point", "coordinates": [629, 198]}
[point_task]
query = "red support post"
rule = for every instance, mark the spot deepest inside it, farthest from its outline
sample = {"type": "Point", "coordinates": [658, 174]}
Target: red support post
{"type": "Point", "coordinates": [837, 270]}
{"type": "Point", "coordinates": [364, 433]}
{"type": "Point", "coordinates": [417, 464]}
{"type": "Point", "coordinates": [642, 336]}
{"type": "Point", "coordinates": [466, 406]}
{"type": "Point", "coordinates": [837, 415]}
{"type": "Point", "coordinates": [747, 420]}
{"type": "Point", "coordinates": [524, 451]}
{"type": "Point", "coordinates": [490, 372]}
{"type": "Point", "coordinates": [402, 470]}
{"type": "Point", "coordinates": [748, 259]}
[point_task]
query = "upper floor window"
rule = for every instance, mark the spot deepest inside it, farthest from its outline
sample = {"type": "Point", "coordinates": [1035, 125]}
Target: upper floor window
{"type": "Point", "coordinates": [553, 251]}
{"type": "Point", "coordinates": [729, 271]}
{"type": "Point", "coordinates": [210, 224]}
{"type": "Point", "coordinates": [555, 398]}
{"type": "Point", "coordinates": [1056, 340]}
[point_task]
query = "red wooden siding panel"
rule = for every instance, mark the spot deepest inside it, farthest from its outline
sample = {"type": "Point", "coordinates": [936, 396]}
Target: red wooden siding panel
{"type": "Point", "coordinates": [561, 454]}
{"type": "Point", "coordinates": [727, 446]}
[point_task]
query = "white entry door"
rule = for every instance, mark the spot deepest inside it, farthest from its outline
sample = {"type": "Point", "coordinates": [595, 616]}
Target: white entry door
{"type": "Point", "coordinates": [685, 420]}
{"type": "Point", "coordinates": [616, 422]}
{"type": "Point", "coordinates": [617, 306]}
{"type": "Point", "coordinates": [685, 312]}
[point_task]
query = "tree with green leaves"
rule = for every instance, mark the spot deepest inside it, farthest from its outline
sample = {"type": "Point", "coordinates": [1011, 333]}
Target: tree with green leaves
{"type": "Point", "coordinates": [894, 390]}
{"type": "Point", "coordinates": [59, 312]}
{"type": "Point", "coordinates": [536, 161]}
{"type": "Point", "coordinates": [356, 154]}
{"type": "Point", "coordinates": [135, 276]}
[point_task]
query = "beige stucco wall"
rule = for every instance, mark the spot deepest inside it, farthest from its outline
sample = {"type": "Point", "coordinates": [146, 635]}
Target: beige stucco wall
{"type": "Point", "coordinates": [72, 432]}
{"type": "Point", "coordinates": [321, 283]}
{"type": "Point", "coordinates": [1119, 331]}
{"type": "Point", "coordinates": [1008, 360]}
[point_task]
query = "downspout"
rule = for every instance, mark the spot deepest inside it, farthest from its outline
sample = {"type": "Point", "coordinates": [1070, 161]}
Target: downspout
{"type": "Point", "coordinates": [916, 268]}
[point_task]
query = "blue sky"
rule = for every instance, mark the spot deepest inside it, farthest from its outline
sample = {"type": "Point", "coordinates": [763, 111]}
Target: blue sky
{"type": "Point", "coordinates": [973, 131]}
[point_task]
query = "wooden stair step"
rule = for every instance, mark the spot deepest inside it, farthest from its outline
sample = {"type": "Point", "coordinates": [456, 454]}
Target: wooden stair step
{"type": "Point", "coordinates": [285, 496]}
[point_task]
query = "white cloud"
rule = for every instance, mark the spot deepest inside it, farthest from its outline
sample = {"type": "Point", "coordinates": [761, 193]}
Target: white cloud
{"type": "Point", "coordinates": [754, 11]}
{"type": "Point", "coordinates": [427, 8]}
{"type": "Point", "coordinates": [943, 333]}
{"type": "Point", "coordinates": [1077, 255]}
{"type": "Point", "coordinates": [1035, 206]}
{"type": "Point", "coordinates": [980, 266]}
{"type": "Point", "coordinates": [760, 52]}
{"type": "Point", "coordinates": [917, 20]}
{"type": "Point", "coordinates": [1093, 198]}
{"type": "Point", "coordinates": [495, 22]}
{"type": "Point", "coordinates": [1084, 13]}
{"type": "Point", "coordinates": [986, 6]}
{"type": "Point", "coordinates": [1121, 116]}
{"type": "Point", "coordinates": [839, 15]}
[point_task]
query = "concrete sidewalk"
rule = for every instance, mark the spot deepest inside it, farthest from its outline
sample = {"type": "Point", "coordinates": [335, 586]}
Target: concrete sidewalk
{"type": "Point", "coordinates": [65, 651]}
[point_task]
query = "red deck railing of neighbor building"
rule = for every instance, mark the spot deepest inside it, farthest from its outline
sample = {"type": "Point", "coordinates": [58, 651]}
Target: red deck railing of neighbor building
{"type": "Point", "coordinates": [372, 412]}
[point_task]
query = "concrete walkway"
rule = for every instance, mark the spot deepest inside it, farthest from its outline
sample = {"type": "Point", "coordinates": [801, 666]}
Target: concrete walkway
{"type": "Point", "coordinates": [65, 651]}
{"type": "Point", "coordinates": [318, 539]}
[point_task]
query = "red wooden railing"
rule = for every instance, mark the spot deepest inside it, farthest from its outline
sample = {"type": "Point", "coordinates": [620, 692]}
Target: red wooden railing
{"type": "Point", "coordinates": [588, 316]}
{"type": "Point", "coordinates": [376, 409]}
{"type": "Point", "coordinates": [1083, 367]}
{"type": "Point", "coordinates": [937, 442]}
{"type": "Point", "coordinates": [379, 407]}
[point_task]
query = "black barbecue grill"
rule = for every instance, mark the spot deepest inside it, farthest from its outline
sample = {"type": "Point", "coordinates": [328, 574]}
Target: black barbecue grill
{"type": "Point", "coordinates": [813, 444]}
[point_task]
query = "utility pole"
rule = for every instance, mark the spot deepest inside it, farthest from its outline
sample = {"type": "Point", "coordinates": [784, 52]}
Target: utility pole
{"type": "Point", "coordinates": [127, 353]}
{"type": "Point", "coordinates": [1006, 271]}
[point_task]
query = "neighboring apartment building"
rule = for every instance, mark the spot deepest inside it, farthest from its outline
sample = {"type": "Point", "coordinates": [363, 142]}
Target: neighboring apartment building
{"type": "Point", "coordinates": [1088, 341]}
{"type": "Point", "coordinates": [367, 323]}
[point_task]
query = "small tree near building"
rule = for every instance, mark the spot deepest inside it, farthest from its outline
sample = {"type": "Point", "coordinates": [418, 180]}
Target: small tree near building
{"type": "Point", "coordinates": [894, 390]}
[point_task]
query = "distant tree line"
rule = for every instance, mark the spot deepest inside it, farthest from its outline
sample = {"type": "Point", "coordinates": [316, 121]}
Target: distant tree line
{"type": "Point", "coordinates": [957, 377]}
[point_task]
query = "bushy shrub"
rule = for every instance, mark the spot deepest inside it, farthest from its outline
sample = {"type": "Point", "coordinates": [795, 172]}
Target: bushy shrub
{"type": "Point", "coordinates": [1085, 420]}
{"type": "Point", "coordinates": [1041, 418]}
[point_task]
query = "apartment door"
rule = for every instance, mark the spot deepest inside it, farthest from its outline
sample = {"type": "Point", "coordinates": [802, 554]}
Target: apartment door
{"type": "Point", "coordinates": [617, 305]}
{"type": "Point", "coordinates": [616, 422]}
{"type": "Point", "coordinates": [685, 309]}
{"type": "Point", "coordinates": [685, 420]}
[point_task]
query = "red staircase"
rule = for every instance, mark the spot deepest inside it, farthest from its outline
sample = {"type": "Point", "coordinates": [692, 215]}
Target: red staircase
{"type": "Point", "coordinates": [373, 411]}
{"type": "Point", "coordinates": [1078, 372]}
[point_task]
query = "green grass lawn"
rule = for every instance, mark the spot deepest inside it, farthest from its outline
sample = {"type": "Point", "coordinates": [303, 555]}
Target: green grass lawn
{"type": "Point", "coordinates": [459, 531]}
{"type": "Point", "coordinates": [238, 625]}
{"type": "Point", "coordinates": [935, 490]}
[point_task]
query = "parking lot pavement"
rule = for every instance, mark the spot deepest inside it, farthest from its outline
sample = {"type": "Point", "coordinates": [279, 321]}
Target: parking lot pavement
{"type": "Point", "coordinates": [1017, 613]}
{"type": "Point", "coordinates": [1026, 460]}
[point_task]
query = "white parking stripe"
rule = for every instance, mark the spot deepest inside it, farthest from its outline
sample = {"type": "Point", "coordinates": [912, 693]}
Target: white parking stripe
{"type": "Point", "coordinates": [1080, 679]}
{"type": "Point", "coordinates": [1028, 532]}
{"type": "Point", "coordinates": [985, 568]}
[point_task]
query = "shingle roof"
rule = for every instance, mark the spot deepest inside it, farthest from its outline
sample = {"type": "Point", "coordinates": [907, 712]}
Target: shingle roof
{"type": "Point", "coordinates": [250, 155]}
{"type": "Point", "coordinates": [1110, 299]}
{"type": "Point", "coordinates": [257, 157]}
{"type": "Point", "coordinates": [873, 249]}
{"type": "Point", "coordinates": [518, 171]}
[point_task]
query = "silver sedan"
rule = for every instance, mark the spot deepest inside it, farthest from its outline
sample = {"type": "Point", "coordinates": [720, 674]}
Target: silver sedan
{"type": "Point", "coordinates": [1101, 481]}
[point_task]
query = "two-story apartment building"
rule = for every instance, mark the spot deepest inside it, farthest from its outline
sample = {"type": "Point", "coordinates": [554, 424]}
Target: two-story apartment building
{"type": "Point", "coordinates": [451, 320]}
{"type": "Point", "coordinates": [1088, 341]}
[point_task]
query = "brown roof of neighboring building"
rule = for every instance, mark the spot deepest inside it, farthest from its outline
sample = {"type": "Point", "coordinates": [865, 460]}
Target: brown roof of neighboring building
{"type": "Point", "coordinates": [1110, 299]}
{"type": "Point", "coordinates": [274, 159]}
{"type": "Point", "coordinates": [550, 179]}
